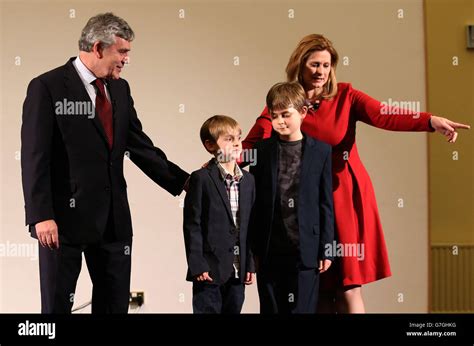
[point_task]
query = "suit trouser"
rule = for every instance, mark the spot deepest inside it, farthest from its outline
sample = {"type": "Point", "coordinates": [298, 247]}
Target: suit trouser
{"type": "Point", "coordinates": [285, 287]}
{"type": "Point", "coordinates": [226, 298]}
{"type": "Point", "coordinates": [109, 265]}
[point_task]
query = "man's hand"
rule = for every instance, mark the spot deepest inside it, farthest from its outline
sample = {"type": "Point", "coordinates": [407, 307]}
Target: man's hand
{"type": "Point", "coordinates": [324, 265]}
{"type": "Point", "coordinates": [249, 278]}
{"type": "Point", "coordinates": [204, 277]}
{"type": "Point", "coordinates": [47, 233]}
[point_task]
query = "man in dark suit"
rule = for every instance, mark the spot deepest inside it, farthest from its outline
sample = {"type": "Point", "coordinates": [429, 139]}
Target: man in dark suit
{"type": "Point", "coordinates": [293, 215]}
{"type": "Point", "coordinates": [217, 211]}
{"type": "Point", "coordinates": [78, 123]}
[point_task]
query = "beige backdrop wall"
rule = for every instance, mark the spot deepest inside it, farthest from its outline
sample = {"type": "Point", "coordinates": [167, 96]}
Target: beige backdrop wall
{"type": "Point", "coordinates": [221, 58]}
{"type": "Point", "coordinates": [450, 72]}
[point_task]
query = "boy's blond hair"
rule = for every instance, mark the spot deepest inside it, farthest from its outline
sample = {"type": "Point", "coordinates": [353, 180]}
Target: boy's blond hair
{"type": "Point", "coordinates": [216, 126]}
{"type": "Point", "coordinates": [285, 95]}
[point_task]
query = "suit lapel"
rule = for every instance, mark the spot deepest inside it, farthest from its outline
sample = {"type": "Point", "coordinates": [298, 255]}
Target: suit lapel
{"type": "Point", "coordinates": [244, 205]}
{"type": "Point", "coordinates": [306, 160]}
{"type": "Point", "coordinates": [77, 92]}
{"type": "Point", "coordinates": [273, 157]}
{"type": "Point", "coordinates": [217, 179]}
{"type": "Point", "coordinates": [117, 121]}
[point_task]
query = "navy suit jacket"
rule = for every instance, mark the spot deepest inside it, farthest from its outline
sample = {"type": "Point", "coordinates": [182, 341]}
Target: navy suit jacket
{"type": "Point", "coordinates": [315, 201]}
{"type": "Point", "coordinates": [69, 174]}
{"type": "Point", "coordinates": [208, 225]}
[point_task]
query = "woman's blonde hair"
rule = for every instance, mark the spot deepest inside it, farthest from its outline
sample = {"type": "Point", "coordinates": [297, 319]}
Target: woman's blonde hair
{"type": "Point", "coordinates": [307, 46]}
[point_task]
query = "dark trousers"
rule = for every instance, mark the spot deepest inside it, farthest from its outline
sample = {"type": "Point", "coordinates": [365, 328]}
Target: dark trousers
{"type": "Point", "coordinates": [285, 287]}
{"type": "Point", "coordinates": [109, 265]}
{"type": "Point", "coordinates": [226, 298]}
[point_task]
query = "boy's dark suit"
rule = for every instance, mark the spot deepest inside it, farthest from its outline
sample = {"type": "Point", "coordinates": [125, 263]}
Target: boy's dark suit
{"type": "Point", "coordinates": [70, 175]}
{"type": "Point", "coordinates": [209, 230]}
{"type": "Point", "coordinates": [315, 222]}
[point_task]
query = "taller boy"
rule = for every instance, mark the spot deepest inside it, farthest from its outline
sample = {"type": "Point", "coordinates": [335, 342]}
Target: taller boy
{"type": "Point", "coordinates": [293, 209]}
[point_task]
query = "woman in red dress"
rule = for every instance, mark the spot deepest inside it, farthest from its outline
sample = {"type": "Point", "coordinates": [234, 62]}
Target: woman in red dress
{"type": "Point", "coordinates": [334, 110]}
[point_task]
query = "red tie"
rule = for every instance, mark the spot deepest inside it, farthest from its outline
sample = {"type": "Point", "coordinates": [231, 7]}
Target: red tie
{"type": "Point", "coordinates": [104, 108]}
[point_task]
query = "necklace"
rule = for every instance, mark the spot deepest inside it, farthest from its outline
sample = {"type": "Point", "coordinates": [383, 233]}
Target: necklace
{"type": "Point", "coordinates": [313, 104]}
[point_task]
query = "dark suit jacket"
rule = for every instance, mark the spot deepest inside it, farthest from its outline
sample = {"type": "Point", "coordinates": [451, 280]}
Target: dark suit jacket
{"type": "Point", "coordinates": [209, 230]}
{"type": "Point", "coordinates": [68, 172]}
{"type": "Point", "coordinates": [315, 202]}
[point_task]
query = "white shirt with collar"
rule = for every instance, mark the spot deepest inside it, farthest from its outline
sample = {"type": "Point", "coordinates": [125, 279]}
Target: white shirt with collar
{"type": "Point", "coordinates": [87, 77]}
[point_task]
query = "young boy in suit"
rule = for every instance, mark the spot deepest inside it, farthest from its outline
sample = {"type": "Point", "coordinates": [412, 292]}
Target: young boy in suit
{"type": "Point", "coordinates": [293, 208]}
{"type": "Point", "coordinates": [216, 215]}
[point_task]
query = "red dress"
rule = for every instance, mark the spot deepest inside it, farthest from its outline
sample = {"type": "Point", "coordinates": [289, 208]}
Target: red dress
{"type": "Point", "coordinates": [357, 218]}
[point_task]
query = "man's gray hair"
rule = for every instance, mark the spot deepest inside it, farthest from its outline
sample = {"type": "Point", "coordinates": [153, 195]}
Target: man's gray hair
{"type": "Point", "coordinates": [103, 28]}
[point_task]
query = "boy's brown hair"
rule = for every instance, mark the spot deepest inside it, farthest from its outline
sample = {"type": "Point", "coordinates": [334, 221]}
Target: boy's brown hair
{"type": "Point", "coordinates": [215, 126]}
{"type": "Point", "coordinates": [285, 95]}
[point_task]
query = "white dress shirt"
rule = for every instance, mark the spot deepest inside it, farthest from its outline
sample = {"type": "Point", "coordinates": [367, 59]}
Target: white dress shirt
{"type": "Point", "coordinates": [87, 78]}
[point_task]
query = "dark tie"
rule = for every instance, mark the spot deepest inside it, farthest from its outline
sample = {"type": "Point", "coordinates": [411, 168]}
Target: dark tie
{"type": "Point", "coordinates": [104, 108]}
